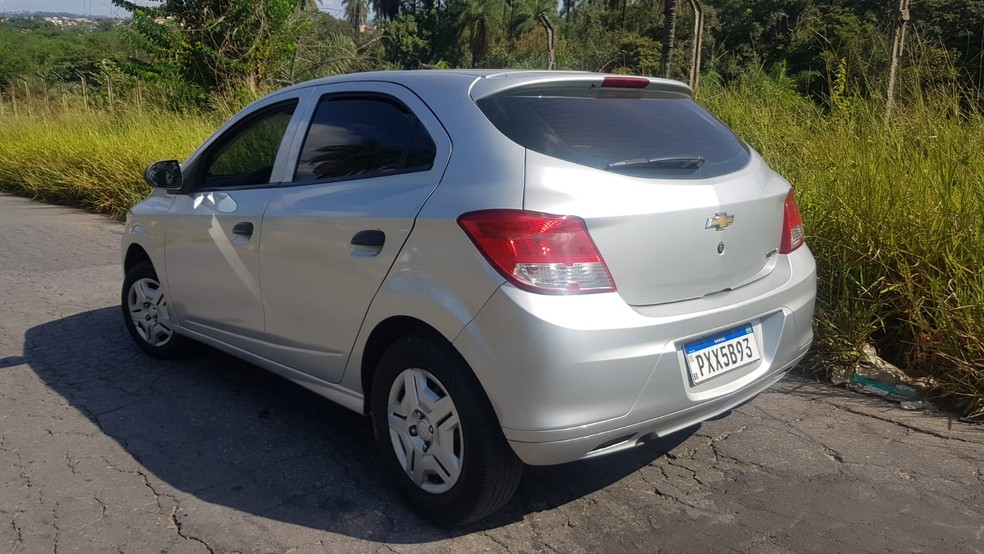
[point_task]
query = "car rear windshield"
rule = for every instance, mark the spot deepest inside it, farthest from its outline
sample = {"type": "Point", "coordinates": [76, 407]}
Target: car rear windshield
{"type": "Point", "coordinates": [644, 137]}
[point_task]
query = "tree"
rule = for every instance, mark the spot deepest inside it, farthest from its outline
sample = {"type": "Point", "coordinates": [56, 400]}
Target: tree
{"type": "Point", "coordinates": [216, 43]}
{"type": "Point", "coordinates": [482, 22]}
{"type": "Point", "coordinates": [567, 8]}
{"type": "Point", "coordinates": [548, 26]}
{"type": "Point", "coordinates": [525, 14]}
{"type": "Point", "coordinates": [696, 42]}
{"type": "Point", "coordinates": [325, 46]}
{"type": "Point", "coordinates": [356, 12]}
{"type": "Point", "coordinates": [959, 26]}
{"type": "Point", "coordinates": [386, 9]}
{"type": "Point", "coordinates": [898, 46]}
{"type": "Point", "coordinates": [404, 42]}
{"type": "Point", "coordinates": [669, 33]}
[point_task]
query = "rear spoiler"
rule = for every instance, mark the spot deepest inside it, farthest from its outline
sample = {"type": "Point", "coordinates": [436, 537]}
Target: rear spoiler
{"type": "Point", "coordinates": [576, 84]}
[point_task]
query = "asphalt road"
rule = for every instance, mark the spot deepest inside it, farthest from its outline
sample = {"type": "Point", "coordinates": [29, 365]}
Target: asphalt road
{"type": "Point", "coordinates": [105, 450]}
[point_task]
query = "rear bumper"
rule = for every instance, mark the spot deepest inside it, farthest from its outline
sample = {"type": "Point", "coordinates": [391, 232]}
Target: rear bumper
{"type": "Point", "coordinates": [613, 440]}
{"type": "Point", "coordinates": [579, 376]}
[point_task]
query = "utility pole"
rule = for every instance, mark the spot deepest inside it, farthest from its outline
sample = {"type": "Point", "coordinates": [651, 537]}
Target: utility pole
{"type": "Point", "coordinates": [898, 46]}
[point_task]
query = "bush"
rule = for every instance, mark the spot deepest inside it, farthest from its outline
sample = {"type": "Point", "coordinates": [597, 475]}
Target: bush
{"type": "Point", "coordinates": [893, 216]}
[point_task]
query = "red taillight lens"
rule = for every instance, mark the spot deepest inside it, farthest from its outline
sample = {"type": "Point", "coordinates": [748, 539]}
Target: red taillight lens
{"type": "Point", "coordinates": [539, 252]}
{"type": "Point", "coordinates": [625, 82]}
{"type": "Point", "coordinates": [792, 226]}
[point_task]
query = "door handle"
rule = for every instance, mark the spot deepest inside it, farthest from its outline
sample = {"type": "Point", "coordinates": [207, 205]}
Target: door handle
{"type": "Point", "coordinates": [369, 238]}
{"type": "Point", "coordinates": [244, 228]}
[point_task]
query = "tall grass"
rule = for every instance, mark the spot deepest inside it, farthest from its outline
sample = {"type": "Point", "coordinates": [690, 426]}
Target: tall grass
{"type": "Point", "coordinates": [92, 159]}
{"type": "Point", "coordinates": [894, 216]}
{"type": "Point", "coordinates": [894, 213]}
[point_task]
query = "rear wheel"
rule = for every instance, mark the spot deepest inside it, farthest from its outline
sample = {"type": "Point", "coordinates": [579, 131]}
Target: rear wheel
{"type": "Point", "coordinates": [148, 316]}
{"type": "Point", "coordinates": [438, 435]}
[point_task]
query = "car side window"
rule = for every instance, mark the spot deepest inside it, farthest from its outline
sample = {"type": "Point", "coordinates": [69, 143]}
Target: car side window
{"type": "Point", "coordinates": [355, 136]}
{"type": "Point", "coordinates": [247, 157]}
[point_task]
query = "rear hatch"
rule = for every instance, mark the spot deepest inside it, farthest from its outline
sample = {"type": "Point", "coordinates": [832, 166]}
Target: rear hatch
{"type": "Point", "coordinates": [677, 205]}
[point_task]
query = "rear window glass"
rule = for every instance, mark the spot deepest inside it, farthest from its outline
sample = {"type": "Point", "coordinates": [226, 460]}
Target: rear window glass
{"type": "Point", "coordinates": [645, 137]}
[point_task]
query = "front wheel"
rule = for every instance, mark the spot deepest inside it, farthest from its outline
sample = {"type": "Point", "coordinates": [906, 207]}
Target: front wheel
{"type": "Point", "coordinates": [438, 435]}
{"type": "Point", "coordinates": [147, 314]}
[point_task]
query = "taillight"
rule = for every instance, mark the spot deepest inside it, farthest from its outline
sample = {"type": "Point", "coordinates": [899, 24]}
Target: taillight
{"type": "Point", "coordinates": [625, 82]}
{"type": "Point", "coordinates": [539, 252]}
{"type": "Point", "coordinates": [792, 226]}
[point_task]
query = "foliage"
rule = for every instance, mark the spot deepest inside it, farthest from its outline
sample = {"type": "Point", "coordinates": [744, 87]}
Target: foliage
{"type": "Point", "coordinates": [404, 43]}
{"type": "Point", "coordinates": [892, 215]}
{"type": "Point", "coordinates": [356, 12]}
{"type": "Point", "coordinates": [34, 49]}
{"type": "Point", "coordinates": [958, 25]}
{"type": "Point", "coordinates": [216, 43]}
{"type": "Point", "coordinates": [325, 46]}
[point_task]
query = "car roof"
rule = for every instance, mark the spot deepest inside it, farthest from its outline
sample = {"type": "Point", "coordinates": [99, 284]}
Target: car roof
{"type": "Point", "coordinates": [479, 82]}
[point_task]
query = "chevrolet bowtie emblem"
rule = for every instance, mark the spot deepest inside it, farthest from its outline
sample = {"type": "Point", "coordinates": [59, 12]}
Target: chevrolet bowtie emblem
{"type": "Point", "coordinates": [720, 221]}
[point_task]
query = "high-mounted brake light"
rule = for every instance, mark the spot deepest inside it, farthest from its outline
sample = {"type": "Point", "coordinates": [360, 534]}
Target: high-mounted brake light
{"type": "Point", "coordinates": [625, 82]}
{"type": "Point", "coordinates": [792, 226]}
{"type": "Point", "coordinates": [539, 252]}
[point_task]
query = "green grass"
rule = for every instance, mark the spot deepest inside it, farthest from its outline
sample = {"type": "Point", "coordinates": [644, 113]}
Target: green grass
{"type": "Point", "coordinates": [92, 159]}
{"type": "Point", "coordinates": [893, 213]}
{"type": "Point", "coordinates": [894, 217]}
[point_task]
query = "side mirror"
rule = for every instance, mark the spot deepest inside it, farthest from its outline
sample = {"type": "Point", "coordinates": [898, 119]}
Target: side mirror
{"type": "Point", "coordinates": [165, 175]}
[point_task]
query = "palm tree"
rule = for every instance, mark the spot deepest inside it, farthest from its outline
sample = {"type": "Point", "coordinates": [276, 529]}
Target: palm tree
{"type": "Point", "coordinates": [523, 14]}
{"type": "Point", "coordinates": [356, 12]}
{"type": "Point", "coordinates": [482, 22]}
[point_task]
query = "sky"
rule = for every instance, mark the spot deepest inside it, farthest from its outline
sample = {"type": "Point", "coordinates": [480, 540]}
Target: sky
{"type": "Point", "coordinates": [105, 7]}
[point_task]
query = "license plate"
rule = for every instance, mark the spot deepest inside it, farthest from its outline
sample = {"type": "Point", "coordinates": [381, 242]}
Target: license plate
{"type": "Point", "coordinates": [714, 355]}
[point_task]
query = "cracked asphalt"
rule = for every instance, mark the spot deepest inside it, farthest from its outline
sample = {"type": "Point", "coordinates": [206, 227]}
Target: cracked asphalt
{"type": "Point", "coordinates": [105, 450]}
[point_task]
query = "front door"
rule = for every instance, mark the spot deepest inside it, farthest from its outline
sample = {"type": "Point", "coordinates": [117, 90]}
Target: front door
{"type": "Point", "coordinates": [213, 232]}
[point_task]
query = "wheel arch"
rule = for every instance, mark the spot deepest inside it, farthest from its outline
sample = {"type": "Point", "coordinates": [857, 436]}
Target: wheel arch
{"type": "Point", "coordinates": [135, 254]}
{"type": "Point", "coordinates": [382, 337]}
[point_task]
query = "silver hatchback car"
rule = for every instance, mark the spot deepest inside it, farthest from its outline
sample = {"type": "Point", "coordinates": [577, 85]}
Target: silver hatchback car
{"type": "Point", "coordinates": [500, 268]}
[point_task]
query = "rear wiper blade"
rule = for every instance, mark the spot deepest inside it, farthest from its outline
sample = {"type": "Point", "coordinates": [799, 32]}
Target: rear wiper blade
{"type": "Point", "coordinates": [681, 162]}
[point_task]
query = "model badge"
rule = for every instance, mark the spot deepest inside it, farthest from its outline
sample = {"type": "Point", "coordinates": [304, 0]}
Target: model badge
{"type": "Point", "coordinates": [720, 221]}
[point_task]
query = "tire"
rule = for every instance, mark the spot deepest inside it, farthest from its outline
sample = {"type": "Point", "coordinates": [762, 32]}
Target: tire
{"type": "Point", "coordinates": [442, 445]}
{"type": "Point", "coordinates": [146, 314]}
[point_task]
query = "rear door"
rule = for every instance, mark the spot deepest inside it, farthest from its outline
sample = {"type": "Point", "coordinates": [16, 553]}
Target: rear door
{"type": "Point", "coordinates": [368, 159]}
{"type": "Point", "coordinates": [679, 207]}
